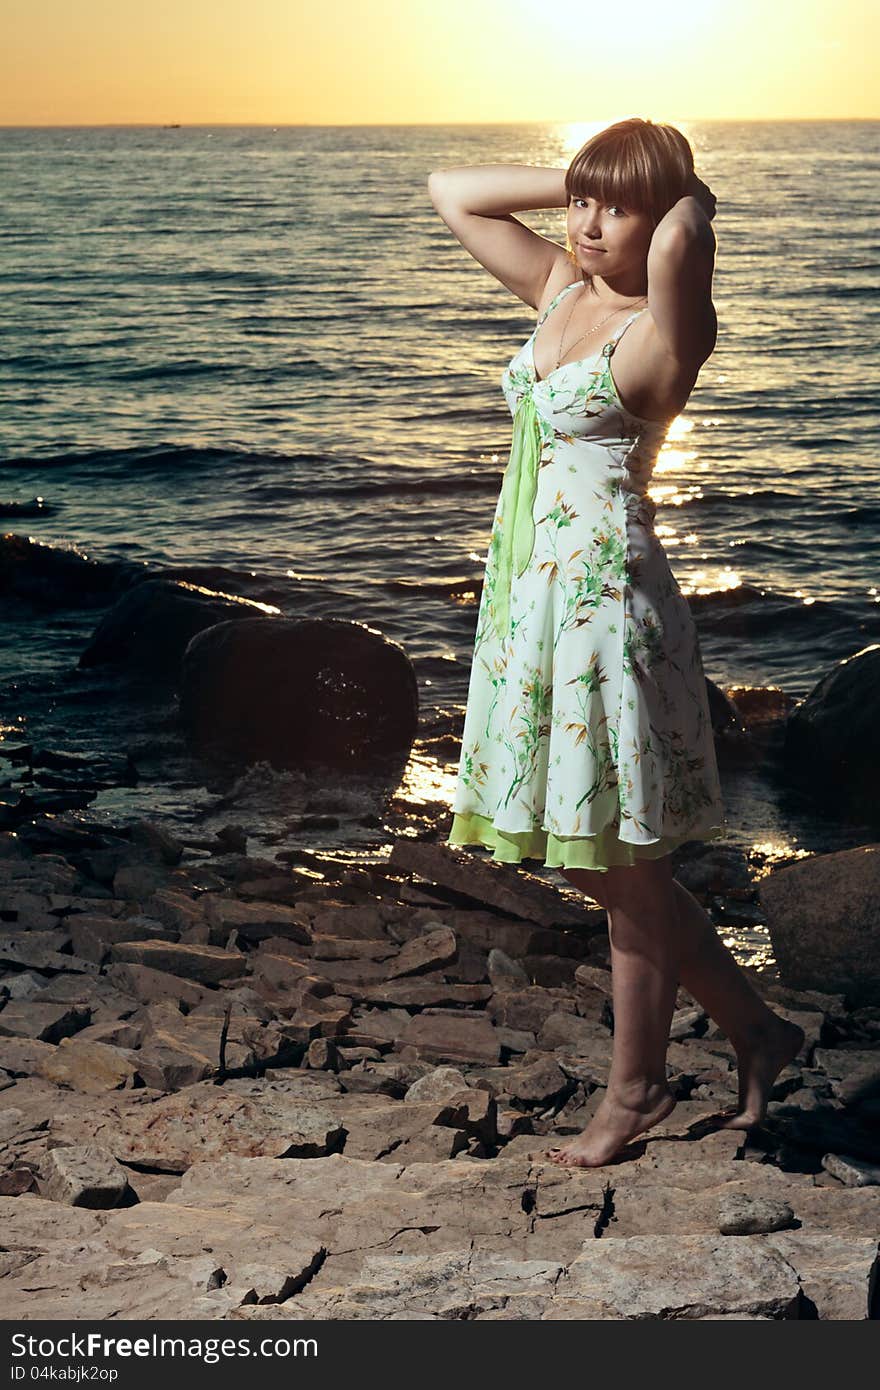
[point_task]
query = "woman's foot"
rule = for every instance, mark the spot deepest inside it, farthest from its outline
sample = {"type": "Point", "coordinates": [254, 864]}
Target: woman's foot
{"type": "Point", "coordinates": [760, 1059]}
{"type": "Point", "coordinates": [619, 1117]}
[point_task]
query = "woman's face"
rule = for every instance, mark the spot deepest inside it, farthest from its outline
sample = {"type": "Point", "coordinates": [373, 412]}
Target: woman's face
{"type": "Point", "coordinates": [607, 239]}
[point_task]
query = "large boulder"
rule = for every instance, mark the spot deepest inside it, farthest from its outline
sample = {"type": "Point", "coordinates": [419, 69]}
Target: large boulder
{"type": "Point", "coordinates": [294, 692]}
{"type": "Point", "coordinates": [148, 629]}
{"type": "Point", "coordinates": [832, 738]}
{"type": "Point", "coordinates": [823, 915]}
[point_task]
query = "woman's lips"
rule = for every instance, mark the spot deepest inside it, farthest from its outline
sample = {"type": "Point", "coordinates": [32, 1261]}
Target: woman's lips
{"type": "Point", "coordinates": [593, 250]}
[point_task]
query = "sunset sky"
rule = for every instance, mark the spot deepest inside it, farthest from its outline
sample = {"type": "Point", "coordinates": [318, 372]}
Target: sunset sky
{"type": "Point", "coordinates": [83, 62]}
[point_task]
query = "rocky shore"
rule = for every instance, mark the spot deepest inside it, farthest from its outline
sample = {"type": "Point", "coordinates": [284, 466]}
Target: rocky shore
{"type": "Point", "coordinates": [237, 1089]}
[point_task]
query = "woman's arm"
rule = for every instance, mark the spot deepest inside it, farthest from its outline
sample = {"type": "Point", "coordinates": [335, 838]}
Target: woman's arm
{"type": "Point", "coordinates": [681, 263]}
{"type": "Point", "coordinates": [476, 203]}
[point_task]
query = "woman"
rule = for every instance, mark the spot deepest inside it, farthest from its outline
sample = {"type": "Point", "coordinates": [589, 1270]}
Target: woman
{"type": "Point", "coordinates": [587, 741]}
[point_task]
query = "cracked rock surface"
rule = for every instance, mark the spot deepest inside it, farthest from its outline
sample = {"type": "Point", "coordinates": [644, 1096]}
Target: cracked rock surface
{"type": "Point", "coordinates": [234, 1091]}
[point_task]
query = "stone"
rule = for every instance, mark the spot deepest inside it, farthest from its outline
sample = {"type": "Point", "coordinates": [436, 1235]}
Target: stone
{"type": "Point", "coordinates": [23, 1056]}
{"type": "Point", "coordinates": [92, 935]}
{"type": "Point", "coordinates": [854, 1073]}
{"type": "Point", "coordinates": [207, 965]}
{"type": "Point", "coordinates": [823, 915]}
{"type": "Point", "coordinates": [500, 886]}
{"type": "Point", "coordinates": [33, 949]}
{"type": "Point", "coordinates": [254, 920]}
{"type": "Point", "coordinates": [204, 1122]}
{"type": "Point", "coordinates": [440, 1083]}
{"type": "Point", "coordinates": [146, 984]}
{"type": "Point", "coordinates": [686, 1276]}
{"type": "Point", "coordinates": [528, 1009]}
{"type": "Point", "coordinates": [434, 949]}
{"type": "Point", "coordinates": [505, 972]}
{"type": "Point", "coordinates": [420, 994]}
{"type": "Point", "coordinates": [89, 1066]}
{"type": "Point", "coordinates": [853, 1172]}
{"type": "Point", "coordinates": [47, 1023]}
{"type": "Point", "coordinates": [838, 1274]}
{"type": "Point", "coordinates": [448, 1035]}
{"type": "Point", "coordinates": [684, 1022]}
{"type": "Point", "coordinates": [831, 745]}
{"type": "Point", "coordinates": [298, 691]}
{"type": "Point", "coordinates": [83, 1175]}
{"type": "Point", "coordinates": [740, 1215]}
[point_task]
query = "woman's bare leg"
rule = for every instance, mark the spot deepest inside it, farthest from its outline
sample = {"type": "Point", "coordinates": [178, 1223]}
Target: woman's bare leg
{"type": "Point", "coordinates": [763, 1041]}
{"type": "Point", "coordinates": [643, 930]}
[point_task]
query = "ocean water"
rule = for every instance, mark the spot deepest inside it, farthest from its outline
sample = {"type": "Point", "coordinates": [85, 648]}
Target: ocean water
{"type": "Point", "coordinates": [257, 354]}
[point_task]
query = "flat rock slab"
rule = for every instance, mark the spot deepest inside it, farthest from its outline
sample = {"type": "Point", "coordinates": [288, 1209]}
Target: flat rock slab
{"type": "Point", "coordinates": [342, 1238]}
{"type": "Point", "coordinates": [206, 1121]}
{"type": "Point", "coordinates": [156, 1260]}
{"type": "Point", "coordinates": [207, 965]}
{"type": "Point", "coordinates": [684, 1276]}
{"type": "Point", "coordinates": [838, 1273]}
{"type": "Point", "coordinates": [498, 885]}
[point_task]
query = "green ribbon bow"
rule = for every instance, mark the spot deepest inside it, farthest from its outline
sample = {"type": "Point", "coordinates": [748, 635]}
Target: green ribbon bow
{"type": "Point", "coordinates": [518, 491]}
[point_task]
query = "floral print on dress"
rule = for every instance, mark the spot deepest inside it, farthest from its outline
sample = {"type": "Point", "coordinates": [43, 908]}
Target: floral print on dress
{"type": "Point", "coordinates": [587, 737]}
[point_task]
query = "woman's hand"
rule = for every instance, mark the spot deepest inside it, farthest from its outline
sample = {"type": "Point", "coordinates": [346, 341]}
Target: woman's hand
{"type": "Point", "coordinates": [695, 188]}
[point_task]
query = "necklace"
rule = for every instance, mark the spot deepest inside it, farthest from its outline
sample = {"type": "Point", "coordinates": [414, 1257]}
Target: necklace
{"type": "Point", "coordinates": [589, 330]}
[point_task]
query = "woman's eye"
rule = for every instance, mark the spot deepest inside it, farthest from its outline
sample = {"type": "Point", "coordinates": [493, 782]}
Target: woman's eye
{"type": "Point", "coordinates": [614, 207]}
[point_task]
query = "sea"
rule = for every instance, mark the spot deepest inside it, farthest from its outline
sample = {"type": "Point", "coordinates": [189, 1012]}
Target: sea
{"type": "Point", "coordinates": [255, 357]}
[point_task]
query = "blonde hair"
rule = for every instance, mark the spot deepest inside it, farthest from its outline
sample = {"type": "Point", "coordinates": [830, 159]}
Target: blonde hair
{"type": "Point", "coordinates": [639, 164]}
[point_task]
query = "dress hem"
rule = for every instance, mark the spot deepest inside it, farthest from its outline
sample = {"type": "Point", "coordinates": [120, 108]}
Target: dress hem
{"type": "Point", "coordinates": [601, 851]}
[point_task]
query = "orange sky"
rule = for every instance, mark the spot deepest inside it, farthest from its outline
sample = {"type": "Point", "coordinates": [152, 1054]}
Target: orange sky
{"type": "Point", "coordinates": [81, 62]}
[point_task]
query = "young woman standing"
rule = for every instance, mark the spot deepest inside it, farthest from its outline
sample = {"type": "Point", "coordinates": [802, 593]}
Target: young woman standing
{"type": "Point", "coordinates": [587, 741]}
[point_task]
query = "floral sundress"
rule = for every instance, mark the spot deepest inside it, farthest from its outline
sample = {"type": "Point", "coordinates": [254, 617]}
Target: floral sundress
{"type": "Point", "coordinates": [587, 739]}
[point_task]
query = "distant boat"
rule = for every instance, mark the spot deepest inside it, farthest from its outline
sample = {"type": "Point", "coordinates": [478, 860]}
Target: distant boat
{"type": "Point", "coordinates": [175, 125]}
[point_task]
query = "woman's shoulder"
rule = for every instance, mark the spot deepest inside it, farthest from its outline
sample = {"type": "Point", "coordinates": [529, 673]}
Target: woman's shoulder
{"type": "Point", "coordinates": [563, 274]}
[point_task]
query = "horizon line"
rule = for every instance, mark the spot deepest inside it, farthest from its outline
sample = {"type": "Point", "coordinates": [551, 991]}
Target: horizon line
{"type": "Point", "coordinates": [357, 125]}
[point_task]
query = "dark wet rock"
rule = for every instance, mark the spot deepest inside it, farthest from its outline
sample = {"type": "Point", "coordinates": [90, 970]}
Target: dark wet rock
{"type": "Point", "coordinates": [295, 692]}
{"type": "Point", "coordinates": [822, 915]}
{"type": "Point", "coordinates": [57, 578]}
{"type": "Point", "coordinates": [150, 626]}
{"type": "Point", "coordinates": [832, 738]}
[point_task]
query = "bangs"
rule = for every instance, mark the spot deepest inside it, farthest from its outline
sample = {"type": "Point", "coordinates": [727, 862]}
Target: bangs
{"type": "Point", "coordinates": [603, 175]}
{"type": "Point", "coordinates": [638, 165]}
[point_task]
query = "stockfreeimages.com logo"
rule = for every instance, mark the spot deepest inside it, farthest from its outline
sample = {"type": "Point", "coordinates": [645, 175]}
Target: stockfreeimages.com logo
{"type": "Point", "coordinates": [207, 1349]}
